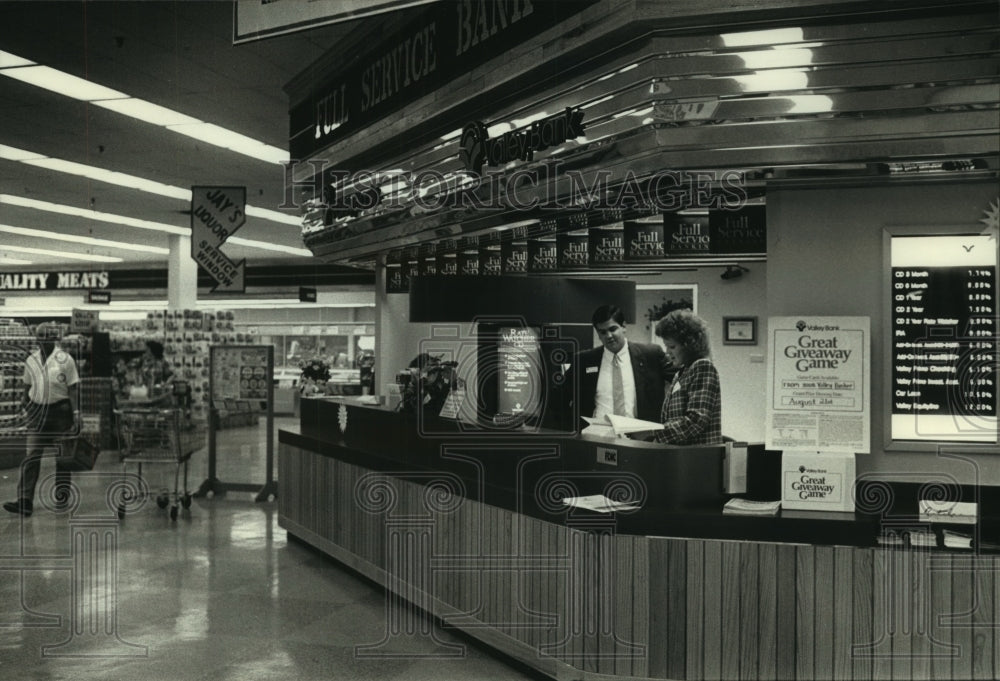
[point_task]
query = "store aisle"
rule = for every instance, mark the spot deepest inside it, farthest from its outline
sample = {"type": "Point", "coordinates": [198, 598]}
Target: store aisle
{"type": "Point", "coordinates": [219, 594]}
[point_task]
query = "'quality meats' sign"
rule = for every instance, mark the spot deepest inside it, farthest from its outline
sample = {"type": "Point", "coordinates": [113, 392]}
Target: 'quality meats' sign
{"type": "Point", "coordinates": [51, 281]}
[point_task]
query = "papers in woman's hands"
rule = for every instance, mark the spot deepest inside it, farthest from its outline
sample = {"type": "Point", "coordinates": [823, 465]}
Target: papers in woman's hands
{"type": "Point", "coordinates": [599, 503]}
{"type": "Point", "coordinates": [612, 425]}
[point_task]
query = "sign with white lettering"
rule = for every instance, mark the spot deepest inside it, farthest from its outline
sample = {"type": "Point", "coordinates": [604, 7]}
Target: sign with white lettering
{"type": "Point", "coordinates": [514, 257]}
{"type": "Point", "coordinates": [99, 297]}
{"type": "Point", "coordinates": [818, 388]}
{"type": "Point", "coordinates": [817, 482]}
{"type": "Point", "coordinates": [607, 244]}
{"type": "Point", "coordinates": [478, 149]}
{"type": "Point", "coordinates": [216, 214]}
{"type": "Point", "coordinates": [49, 281]}
{"type": "Point", "coordinates": [543, 255]}
{"type": "Point", "coordinates": [84, 321]}
{"type": "Point", "coordinates": [644, 239]}
{"type": "Point", "coordinates": [519, 369]}
{"type": "Point", "coordinates": [608, 457]}
{"type": "Point", "coordinates": [428, 265]}
{"type": "Point", "coordinates": [944, 331]}
{"type": "Point", "coordinates": [258, 19]}
{"type": "Point", "coordinates": [468, 262]}
{"type": "Point", "coordinates": [490, 260]}
{"type": "Point", "coordinates": [687, 234]}
{"type": "Point", "coordinates": [574, 250]}
{"type": "Point", "coordinates": [739, 231]}
{"type": "Point", "coordinates": [440, 43]}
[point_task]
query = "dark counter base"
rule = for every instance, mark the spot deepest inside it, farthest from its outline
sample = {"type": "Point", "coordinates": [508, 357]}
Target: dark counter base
{"type": "Point", "coordinates": [680, 488]}
{"type": "Point", "coordinates": [576, 599]}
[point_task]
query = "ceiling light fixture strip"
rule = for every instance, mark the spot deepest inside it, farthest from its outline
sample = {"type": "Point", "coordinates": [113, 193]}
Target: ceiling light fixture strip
{"type": "Point", "coordinates": [66, 84]}
{"type": "Point", "coordinates": [131, 181]}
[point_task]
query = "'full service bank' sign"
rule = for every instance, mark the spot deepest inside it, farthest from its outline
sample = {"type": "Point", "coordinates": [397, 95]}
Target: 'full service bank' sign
{"type": "Point", "coordinates": [51, 281]}
{"type": "Point", "coordinates": [441, 43]}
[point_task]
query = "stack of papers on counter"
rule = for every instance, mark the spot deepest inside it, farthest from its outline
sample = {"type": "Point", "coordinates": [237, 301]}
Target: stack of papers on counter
{"type": "Point", "coordinates": [957, 540]}
{"type": "Point", "coordinates": [737, 506]}
{"type": "Point", "coordinates": [611, 425]}
{"type": "Point", "coordinates": [922, 538]}
{"type": "Point", "coordinates": [599, 503]}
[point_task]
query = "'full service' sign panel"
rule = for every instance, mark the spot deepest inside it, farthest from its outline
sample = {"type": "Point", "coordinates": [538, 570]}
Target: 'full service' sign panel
{"type": "Point", "coordinates": [818, 392]}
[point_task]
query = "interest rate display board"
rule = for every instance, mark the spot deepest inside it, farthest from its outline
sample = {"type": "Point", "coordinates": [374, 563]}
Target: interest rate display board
{"type": "Point", "coordinates": [943, 295]}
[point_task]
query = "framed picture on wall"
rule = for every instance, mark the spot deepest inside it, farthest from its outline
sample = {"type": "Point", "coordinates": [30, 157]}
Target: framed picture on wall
{"type": "Point", "coordinates": [739, 330]}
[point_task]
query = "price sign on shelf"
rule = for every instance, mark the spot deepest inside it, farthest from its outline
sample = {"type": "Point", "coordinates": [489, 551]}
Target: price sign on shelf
{"type": "Point", "coordinates": [216, 214]}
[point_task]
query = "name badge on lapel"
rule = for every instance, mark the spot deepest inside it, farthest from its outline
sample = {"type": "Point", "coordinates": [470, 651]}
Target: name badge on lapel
{"type": "Point", "coordinates": [675, 387]}
{"type": "Point", "coordinates": [592, 370]}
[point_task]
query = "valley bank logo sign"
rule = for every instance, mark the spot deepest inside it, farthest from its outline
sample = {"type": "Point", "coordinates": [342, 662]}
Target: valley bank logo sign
{"type": "Point", "coordinates": [478, 149]}
{"type": "Point", "coordinates": [816, 483]}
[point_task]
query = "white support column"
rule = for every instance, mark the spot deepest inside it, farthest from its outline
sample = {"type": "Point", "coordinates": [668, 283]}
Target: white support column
{"type": "Point", "coordinates": [182, 275]}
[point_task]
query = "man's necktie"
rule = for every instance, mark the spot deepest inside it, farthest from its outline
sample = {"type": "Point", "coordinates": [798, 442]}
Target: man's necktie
{"type": "Point", "coordinates": [617, 388]}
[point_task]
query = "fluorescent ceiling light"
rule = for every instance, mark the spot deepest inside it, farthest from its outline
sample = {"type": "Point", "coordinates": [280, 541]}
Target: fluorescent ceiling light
{"type": "Point", "coordinates": [8, 60]}
{"type": "Point", "coordinates": [265, 246]}
{"type": "Point", "coordinates": [273, 216]}
{"type": "Point", "coordinates": [111, 218]}
{"type": "Point", "coordinates": [111, 177]}
{"type": "Point", "coordinates": [146, 111]}
{"type": "Point", "coordinates": [90, 241]}
{"type": "Point", "coordinates": [130, 181]}
{"type": "Point", "coordinates": [62, 83]}
{"type": "Point", "coordinates": [63, 254]}
{"type": "Point", "coordinates": [72, 86]}
{"type": "Point", "coordinates": [7, 260]}
{"type": "Point", "coordinates": [234, 141]}
{"type": "Point", "coordinates": [15, 154]}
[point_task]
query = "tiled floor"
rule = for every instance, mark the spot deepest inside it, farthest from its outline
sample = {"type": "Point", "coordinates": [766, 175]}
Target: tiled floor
{"type": "Point", "coordinates": [219, 594]}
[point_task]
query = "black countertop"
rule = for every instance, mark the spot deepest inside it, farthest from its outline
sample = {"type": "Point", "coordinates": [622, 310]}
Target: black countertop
{"type": "Point", "coordinates": [679, 489]}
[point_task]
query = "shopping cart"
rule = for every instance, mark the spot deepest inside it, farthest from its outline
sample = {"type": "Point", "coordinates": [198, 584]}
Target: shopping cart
{"type": "Point", "coordinates": [160, 436]}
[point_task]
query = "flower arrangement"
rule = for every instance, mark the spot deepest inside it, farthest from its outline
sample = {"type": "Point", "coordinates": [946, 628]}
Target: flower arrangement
{"type": "Point", "coordinates": [427, 384]}
{"type": "Point", "coordinates": [314, 372]}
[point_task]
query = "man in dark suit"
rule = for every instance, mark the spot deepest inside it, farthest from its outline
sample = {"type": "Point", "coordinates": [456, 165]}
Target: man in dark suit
{"type": "Point", "coordinates": [619, 377]}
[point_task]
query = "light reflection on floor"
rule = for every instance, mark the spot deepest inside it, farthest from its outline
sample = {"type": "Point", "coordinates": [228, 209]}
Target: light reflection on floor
{"type": "Point", "coordinates": [218, 594]}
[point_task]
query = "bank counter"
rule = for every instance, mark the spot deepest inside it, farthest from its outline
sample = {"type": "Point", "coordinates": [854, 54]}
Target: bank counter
{"type": "Point", "coordinates": [470, 527]}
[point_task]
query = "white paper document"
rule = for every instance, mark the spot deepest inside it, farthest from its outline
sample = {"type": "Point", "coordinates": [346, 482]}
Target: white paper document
{"type": "Point", "coordinates": [599, 431]}
{"type": "Point", "coordinates": [599, 503]}
{"type": "Point", "coordinates": [956, 540]}
{"type": "Point", "coordinates": [960, 512]}
{"type": "Point", "coordinates": [737, 506]}
{"type": "Point", "coordinates": [612, 424]}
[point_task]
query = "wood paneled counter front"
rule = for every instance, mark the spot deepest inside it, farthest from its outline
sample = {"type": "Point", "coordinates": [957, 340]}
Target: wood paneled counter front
{"type": "Point", "coordinates": [470, 528]}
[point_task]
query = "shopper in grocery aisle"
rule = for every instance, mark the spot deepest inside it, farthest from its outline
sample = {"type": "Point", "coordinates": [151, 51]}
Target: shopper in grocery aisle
{"type": "Point", "coordinates": [52, 408]}
{"type": "Point", "coordinates": [156, 371]}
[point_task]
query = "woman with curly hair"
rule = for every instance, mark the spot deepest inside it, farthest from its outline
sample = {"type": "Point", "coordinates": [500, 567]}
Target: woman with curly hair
{"type": "Point", "coordinates": [692, 409]}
